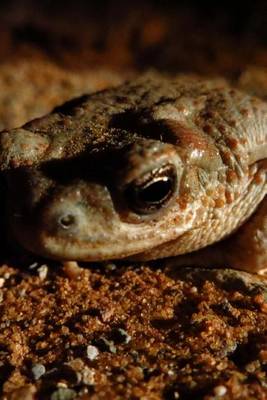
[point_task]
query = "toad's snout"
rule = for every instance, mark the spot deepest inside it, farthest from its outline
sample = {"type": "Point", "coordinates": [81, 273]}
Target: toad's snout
{"type": "Point", "coordinates": [82, 210]}
{"type": "Point", "coordinates": [70, 223]}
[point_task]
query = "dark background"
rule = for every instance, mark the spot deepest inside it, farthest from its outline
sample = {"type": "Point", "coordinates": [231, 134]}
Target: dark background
{"type": "Point", "coordinates": [201, 36]}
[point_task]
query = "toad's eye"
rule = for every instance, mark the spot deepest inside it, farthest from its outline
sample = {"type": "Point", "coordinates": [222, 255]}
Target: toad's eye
{"type": "Point", "coordinates": [153, 190]}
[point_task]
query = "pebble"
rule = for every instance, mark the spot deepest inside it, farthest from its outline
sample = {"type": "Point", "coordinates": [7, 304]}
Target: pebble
{"type": "Point", "coordinates": [42, 272]}
{"type": "Point", "coordinates": [33, 265]}
{"type": "Point", "coordinates": [171, 372]}
{"type": "Point", "coordinates": [88, 376]}
{"type": "Point", "coordinates": [63, 394]}
{"type": "Point", "coordinates": [220, 390]}
{"type": "Point", "coordinates": [38, 370]}
{"type": "Point", "coordinates": [92, 352]}
{"type": "Point", "coordinates": [72, 269]}
{"type": "Point", "coordinates": [111, 266]}
{"type": "Point", "coordinates": [22, 292]}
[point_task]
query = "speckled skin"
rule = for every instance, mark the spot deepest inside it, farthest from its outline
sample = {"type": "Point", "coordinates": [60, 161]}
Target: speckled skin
{"type": "Point", "coordinates": [77, 162]}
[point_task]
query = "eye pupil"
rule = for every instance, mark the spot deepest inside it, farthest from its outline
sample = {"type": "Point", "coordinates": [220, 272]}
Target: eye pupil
{"type": "Point", "coordinates": [156, 191]}
{"type": "Point", "coordinates": [153, 190]}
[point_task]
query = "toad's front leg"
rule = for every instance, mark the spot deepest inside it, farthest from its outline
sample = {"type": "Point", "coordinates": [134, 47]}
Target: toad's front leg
{"type": "Point", "coordinates": [247, 248]}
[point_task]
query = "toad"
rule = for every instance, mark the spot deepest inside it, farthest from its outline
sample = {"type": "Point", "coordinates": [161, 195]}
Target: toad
{"type": "Point", "coordinates": [157, 167]}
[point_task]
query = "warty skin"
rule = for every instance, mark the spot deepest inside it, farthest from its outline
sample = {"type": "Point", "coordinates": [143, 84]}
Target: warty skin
{"type": "Point", "coordinates": [157, 167]}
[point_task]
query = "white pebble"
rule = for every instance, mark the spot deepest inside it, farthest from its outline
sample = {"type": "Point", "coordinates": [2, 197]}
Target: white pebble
{"type": "Point", "coordinates": [220, 390]}
{"type": "Point", "coordinates": [42, 272]}
{"type": "Point", "coordinates": [38, 370]}
{"type": "Point", "coordinates": [92, 352]}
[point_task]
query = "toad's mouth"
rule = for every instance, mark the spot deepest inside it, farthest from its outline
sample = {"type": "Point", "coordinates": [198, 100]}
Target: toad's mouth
{"type": "Point", "coordinates": [81, 223]}
{"type": "Point", "coordinates": [130, 240]}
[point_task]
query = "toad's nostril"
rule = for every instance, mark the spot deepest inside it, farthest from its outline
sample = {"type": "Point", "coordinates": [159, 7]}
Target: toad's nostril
{"type": "Point", "coordinates": [66, 221]}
